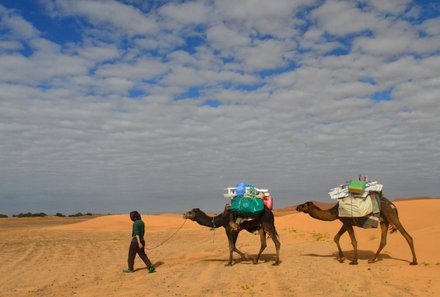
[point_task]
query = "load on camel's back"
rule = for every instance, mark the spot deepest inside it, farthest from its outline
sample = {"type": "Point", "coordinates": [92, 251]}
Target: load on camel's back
{"type": "Point", "coordinates": [250, 209]}
{"type": "Point", "coordinates": [247, 202]}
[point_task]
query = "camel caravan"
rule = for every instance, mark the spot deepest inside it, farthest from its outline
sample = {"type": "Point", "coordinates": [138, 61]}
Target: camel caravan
{"type": "Point", "coordinates": [360, 203]}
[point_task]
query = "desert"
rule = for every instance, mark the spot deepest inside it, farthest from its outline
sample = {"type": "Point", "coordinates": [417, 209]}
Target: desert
{"type": "Point", "coordinates": [56, 256]}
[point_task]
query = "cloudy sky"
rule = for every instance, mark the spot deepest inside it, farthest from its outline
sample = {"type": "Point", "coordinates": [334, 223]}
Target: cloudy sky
{"type": "Point", "coordinates": [109, 106]}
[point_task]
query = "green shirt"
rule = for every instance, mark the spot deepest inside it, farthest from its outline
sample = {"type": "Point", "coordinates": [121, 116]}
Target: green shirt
{"type": "Point", "coordinates": [138, 229]}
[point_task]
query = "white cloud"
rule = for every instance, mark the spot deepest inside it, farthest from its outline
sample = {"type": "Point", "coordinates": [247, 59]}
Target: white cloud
{"type": "Point", "coordinates": [117, 84]}
{"type": "Point", "coordinates": [342, 17]}
{"type": "Point", "coordinates": [142, 69]}
{"type": "Point", "coordinates": [223, 38]}
{"type": "Point", "coordinates": [10, 45]}
{"type": "Point", "coordinates": [17, 27]}
{"type": "Point", "coordinates": [265, 55]}
{"type": "Point", "coordinates": [391, 6]}
{"type": "Point", "coordinates": [99, 53]}
{"type": "Point", "coordinates": [71, 132]}
{"type": "Point", "coordinates": [186, 13]}
{"type": "Point", "coordinates": [395, 39]}
{"type": "Point", "coordinates": [104, 13]}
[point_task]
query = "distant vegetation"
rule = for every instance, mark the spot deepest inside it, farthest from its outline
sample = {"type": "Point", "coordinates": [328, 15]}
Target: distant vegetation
{"type": "Point", "coordinates": [80, 214]}
{"type": "Point", "coordinates": [42, 214]}
{"type": "Point", "coordinates": [3, 216]}
{"type": "Point", "coordinates": [29, 215]}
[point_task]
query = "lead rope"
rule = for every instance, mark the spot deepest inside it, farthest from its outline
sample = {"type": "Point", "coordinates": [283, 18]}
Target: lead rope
{"type": "Point", "coordinates": [152, 248]}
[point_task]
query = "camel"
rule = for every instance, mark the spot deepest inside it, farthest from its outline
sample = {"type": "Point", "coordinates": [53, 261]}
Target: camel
{"type": "Point", "coordinates": [389, 219]}
{"type": "Point", "coordinates": [263, 224]}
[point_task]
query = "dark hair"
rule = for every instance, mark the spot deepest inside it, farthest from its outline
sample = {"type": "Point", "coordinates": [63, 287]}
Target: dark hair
{"type": "Point", "coordinates": [134, 215]}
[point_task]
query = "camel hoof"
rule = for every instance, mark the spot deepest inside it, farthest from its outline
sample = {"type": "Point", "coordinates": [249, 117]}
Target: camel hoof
{"type": "Point", "coordinates": [354, 262]}
{"type": "Point", "coordinates": [341, 260]}
{"type": "Point", "coordinates": [228, 265]}
{"type": "Point", "coordinates": [413, 263]}
{"type": "Point", "coordinates": [277, 263]}
{"type": "Point", "coordinates": [372, 261]}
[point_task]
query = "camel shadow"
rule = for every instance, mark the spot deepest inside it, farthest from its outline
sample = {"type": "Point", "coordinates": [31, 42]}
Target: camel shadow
{"type": "Point", "coordinates": [362, 255]}
{"type": "Point", "coordinates": [264, 258]}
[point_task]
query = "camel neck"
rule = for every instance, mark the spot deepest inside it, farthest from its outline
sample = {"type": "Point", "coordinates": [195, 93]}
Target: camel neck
{"type": "Point", "coordinates": [214, 222]}
{"type": "Point", "coordinates": [324, 215]}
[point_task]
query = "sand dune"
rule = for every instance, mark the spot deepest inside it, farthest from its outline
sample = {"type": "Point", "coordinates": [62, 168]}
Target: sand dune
{"type": "Point", "coordinates": [77, 257]}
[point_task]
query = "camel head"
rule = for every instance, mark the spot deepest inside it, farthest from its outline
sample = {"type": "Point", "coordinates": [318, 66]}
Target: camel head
{"type": "Point", "coordinates": [304, 207]}
{"type": "Point", "coordinates": [192, 214]}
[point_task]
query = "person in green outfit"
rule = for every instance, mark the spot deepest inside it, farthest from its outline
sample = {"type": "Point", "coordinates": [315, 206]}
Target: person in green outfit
{"type": "Point", "coordinates": [137, 245]}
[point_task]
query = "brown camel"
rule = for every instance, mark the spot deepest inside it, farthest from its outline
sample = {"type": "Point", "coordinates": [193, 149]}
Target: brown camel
{"type": "Point", "coordinates": [388, 218]}
{"type": "Point", "coordinates": [263, 224]}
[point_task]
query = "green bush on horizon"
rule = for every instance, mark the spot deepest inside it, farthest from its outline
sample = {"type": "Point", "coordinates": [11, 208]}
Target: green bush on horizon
{"type": "Point", "coordinates": [42, 214]}
{"type": "Point", "coordinates": [29, 215]}
{"type": "Point", "coordinates": [80, 214]}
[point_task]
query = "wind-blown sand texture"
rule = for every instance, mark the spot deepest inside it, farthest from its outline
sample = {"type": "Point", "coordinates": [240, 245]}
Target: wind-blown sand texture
{"type": "Point", "coordinates": [84, 257]}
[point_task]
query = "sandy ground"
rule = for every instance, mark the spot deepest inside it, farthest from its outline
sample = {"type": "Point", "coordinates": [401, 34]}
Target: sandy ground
{"type": "Point", "coordinates": [84, 257]}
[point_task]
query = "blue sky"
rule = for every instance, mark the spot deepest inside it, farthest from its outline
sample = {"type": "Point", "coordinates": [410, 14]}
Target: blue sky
{"type": "Point", "coordinates": [109, 106]}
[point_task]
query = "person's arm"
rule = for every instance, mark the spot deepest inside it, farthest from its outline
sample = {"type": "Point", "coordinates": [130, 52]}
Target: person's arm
{"type": "Point", "coordinates": [139, 241]}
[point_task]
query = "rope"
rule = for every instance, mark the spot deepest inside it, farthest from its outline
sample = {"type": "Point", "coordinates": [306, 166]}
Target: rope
{"type": "Point", "coordinates": [152, 248]}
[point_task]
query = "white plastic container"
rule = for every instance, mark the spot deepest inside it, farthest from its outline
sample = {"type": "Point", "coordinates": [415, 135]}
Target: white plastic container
{"type": "Point", "coordinates": [229, 192]}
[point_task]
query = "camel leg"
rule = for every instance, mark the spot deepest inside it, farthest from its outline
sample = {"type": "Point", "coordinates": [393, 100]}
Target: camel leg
{"type": "Point", "coordinates": [263, 244]}
{"type": "Point", "coordinates": [234, 241]}
{"type": "Point", "coordinates": [390, 212]}
{"type": "Point", "coordinates": [231, 247]}
{"type": "Point", "coordinates": [277, 243]}
{"type": "Point", "coordinates": [408, 239]}
{"type": "Point", "coordinates": [354, 243]}
{"type": "Point", "coordinates": [268, 224]}
{"type": "Point", "coordinates": [341, 231]}
{"type": "Point", "coordinates": [383, 240]}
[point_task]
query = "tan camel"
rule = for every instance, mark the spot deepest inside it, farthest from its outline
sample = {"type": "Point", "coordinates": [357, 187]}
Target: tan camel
{"type": "Point", "coordinates": [263, 224]}
{"type": "Point", "coordinates": [389, 219]}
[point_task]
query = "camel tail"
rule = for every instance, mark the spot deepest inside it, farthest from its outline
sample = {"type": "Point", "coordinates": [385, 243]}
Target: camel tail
{"type": "Point", "coordinates": [392, 229]}
{"type": "Point", "coordinates": [276, 234]}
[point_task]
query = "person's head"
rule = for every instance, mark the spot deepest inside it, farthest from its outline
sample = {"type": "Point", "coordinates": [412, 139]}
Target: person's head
{"type": "Point", "coordinates": [134, 215]}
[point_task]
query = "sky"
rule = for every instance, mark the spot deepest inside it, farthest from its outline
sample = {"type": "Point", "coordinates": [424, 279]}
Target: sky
{"type": "Point", "coordinates": [110, 106]}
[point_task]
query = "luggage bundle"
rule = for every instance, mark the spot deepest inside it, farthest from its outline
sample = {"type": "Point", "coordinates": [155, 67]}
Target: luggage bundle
{"type": "Point", "coordinates": [248, 201]}
{"type": "Point", "coordinates": [359, 198]}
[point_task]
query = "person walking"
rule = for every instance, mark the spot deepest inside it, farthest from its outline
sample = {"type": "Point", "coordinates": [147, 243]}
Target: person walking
{"type": "Point", "coordinates": [137, 245]}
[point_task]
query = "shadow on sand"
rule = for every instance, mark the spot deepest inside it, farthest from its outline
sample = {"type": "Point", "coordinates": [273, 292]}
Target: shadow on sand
{"type": "Point", "coordinates": [156, 264]}
{"type": "Point", "coordinates": [362, 255]}
{"type": "Point", "coordinates": [237, 260]}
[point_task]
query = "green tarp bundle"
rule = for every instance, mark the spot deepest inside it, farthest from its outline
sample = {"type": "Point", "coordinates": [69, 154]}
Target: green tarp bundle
{"type": "Point", "coordinates": [247, 207]}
